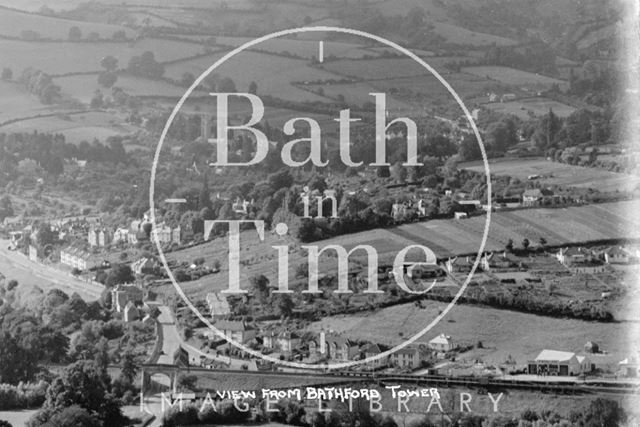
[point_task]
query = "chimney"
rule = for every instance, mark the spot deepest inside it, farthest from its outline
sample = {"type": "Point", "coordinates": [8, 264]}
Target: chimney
{"type": "Point", "coordinates": [323, 349]}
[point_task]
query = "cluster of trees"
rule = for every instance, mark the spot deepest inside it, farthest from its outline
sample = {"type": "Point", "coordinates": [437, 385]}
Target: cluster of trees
{"type": "Point", "coordinates": [535, 56]}
{"type": "Point", "coordinates": [50, 151]}
{"type": "Point", "coordinates": [41, 84]}
{"type": "Point", "coordinates": [6, 207]}
{"type": "Point", "coordinates": [108, 77]}
{"type": "Point", "coordinates": [145, 65]}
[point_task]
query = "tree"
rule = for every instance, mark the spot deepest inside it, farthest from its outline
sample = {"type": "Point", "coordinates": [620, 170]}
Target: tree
{"type": "Point", "coordinates": [226, 85]}
{"type": "Point", "coordinates": [509, 245]}
{"type": "Point", "coordinates": [285, 305]}
{"type": "Point", "coordinates": [525, 243]}
{"type": "Point", "coordinates": [16, 363]}
{"type": "Point", "coordinates": [107, 79]}
{"type": "Point", "coordinates": [204, 199]}
{"type": "Point", "coordinates": [75, 34]}
{"type": "Point", "coordinates": [253, 88]}
{"type": "Point", "coordinates": [6, 207]}
{"type": "Point", "coordinates": [109, 63]}
{"type": "Point", "coordinates": [4, 423]}
{"type": "Point", "coordinates": [187, 79]}
{"type": "Point", "coordinates": [118, 274]}
{"type": "Point", "coordinates": [542, 241]}
{"type": "Point", "coordinates": [86, 385]}
{"type": "Point", "coordinates": [7, 73]}
{"type": "Point", "coordinates": [261, 285]}
{"type": "Point", "coordinates": [469, 149]}
{"type": "Point", "coordinates": [74, 416]}
{"type": "Point", "coordinates": [604, 413]}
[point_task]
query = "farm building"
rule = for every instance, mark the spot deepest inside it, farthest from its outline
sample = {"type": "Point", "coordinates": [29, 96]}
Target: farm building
{"type": "Point", "coordinates": [130, 313]}
{"type": "Point", "coordinates": [630, 367]}
{"type": "Point", "coordinates": [591, 347]}
{"type": "Point", "coordinates": [442, 343]}
{"type": "Point", "coordinates": [563, 363]}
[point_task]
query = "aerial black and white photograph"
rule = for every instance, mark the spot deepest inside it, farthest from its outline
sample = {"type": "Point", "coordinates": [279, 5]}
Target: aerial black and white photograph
{"type": "Point", "coordinates": [319, 213]}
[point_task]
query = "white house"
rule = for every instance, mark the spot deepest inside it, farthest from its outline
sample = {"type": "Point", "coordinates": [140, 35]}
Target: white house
{"type": "Point", "coordinates": [218, 304]}
{"type": "Point", "coordinates": [406, 358]}
{"type": "Point", "coordinates": [441, 343]}
{"type": "Point", "coordinates": [616, 255]}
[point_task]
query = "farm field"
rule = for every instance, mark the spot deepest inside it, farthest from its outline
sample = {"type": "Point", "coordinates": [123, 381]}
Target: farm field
{"type": "Point", "coordinates": [83, 87]}
{"type": "Point", "coordinates": [502, 332]}
{"type": "Point", "coordinates": [13, 23]}
{"type": "Point", "coordinates": [382, 68]}
{"type": "Point", "coordinates": [357, 94]}
{"type": "Point", "coordinates": [273, 74]}
{"type": "Point", "coordinates": [458, 35]}
{"type": "Point", "coordinates": [84, 57]}
{"type": "Point", "coordinates": [76, 127]}
{"type": "Point", "coordinates": [514, 77]}
{"type": "Point", "coordinates": [554, 173]}
{"type": "Point", "coordinates": [466, 85]}
{"type": "Point", "coordinates": [16, 102]}
{"type": "Point", "coordinates": [450, 237]}
{"type": "Point", "coordinates": [303, 48]}
{"type": "Point", "coordinates": [525, 108]}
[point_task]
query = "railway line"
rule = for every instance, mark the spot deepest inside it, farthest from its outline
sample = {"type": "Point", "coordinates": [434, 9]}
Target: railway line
{"type": "Point", "coordinates": [545, 385]}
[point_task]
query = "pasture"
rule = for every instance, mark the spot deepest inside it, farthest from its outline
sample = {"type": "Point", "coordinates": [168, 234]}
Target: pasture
{"type": "Point", "coordinates": [502, 332]}
{"type": "Point", "coordinates": [76, 127]}
{"type": "Point", "coordinates": [455, 34]}
{"type": "Point", "coordinates": [16, 102]}
{"type": "Point", "coordinates": [449, 237]}
{"type": "Point", "coordinates": [85, 57]}
{"type": "Point", "coordinates": [531, 107]}
{"type": "Point", "coordinates": [514, 77]}
{"type": "Point", "coordinates": [13, 23]}
{"type": "Point", "coordinates": [303, 48]}
{"type": "Point", "coordinates": [273, 74]}
{"type": "Point", "coordinates": [83, 87]}
{"type": "Point", "coordinates": [554, 173]}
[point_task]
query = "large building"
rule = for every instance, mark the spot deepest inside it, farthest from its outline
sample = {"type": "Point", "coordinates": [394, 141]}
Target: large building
{"type": "Point", "coordinates": [562, 363]}
{"type": "Point", "coordinates": [218, 305]}
{"type": "Point", "coordinates": [334, 347]}
{"type": "Point", "coordinates": [235, 330]}
{"type": "Point", "coordinates": [99, 237]}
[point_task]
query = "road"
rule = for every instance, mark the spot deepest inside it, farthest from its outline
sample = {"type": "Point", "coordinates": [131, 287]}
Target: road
{"type": "Point", "coordinates": [16, 265]}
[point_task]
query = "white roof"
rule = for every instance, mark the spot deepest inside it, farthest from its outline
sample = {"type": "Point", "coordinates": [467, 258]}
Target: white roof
{"type": "Point", "coordinates": [441, 339]}
{"type": "Point", "coordinates": [555, 355]}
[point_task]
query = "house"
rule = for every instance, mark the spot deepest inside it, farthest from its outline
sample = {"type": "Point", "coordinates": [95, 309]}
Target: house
{"type": "Point", "coordinates": [616, 255]}
{"type": "Point", "coordinates": [373, 350]}
{"type": "Point", "coordinates": [407, 358]}
{"type": "Point", "coordinates": [163, 233]}
{"type": "Point", "coordinates": [460, 215]}
{"type": "Point", "coordinates": [121, 295]}
{"type": "Point", "coordinates": [99, 237]}
{"type": "Point", "coordinates": [569, 256]}
{"type": "Point", "coordinates": [532, 197]}
{"type": "Point", "coordinates": [76, 257]}
{"type": "Point", "coordinates": [288, 341]}
{"type": "Point", "coordinates": [218, 305]}
{"type": "Point", "coordinates": [241, 207]}
{"type": "Point", "coordinates": [630, 367]}
{"type": "Point", "coordinates": [130, 313]}
{"type": "Point", "coordinates": [236, 330]}
{"type": "Point", "coordinates": [562, 363]}
{"type": "Point", "coordinates": [441, 343]}
{"type": "Point", "coordinates": [334, 347]}
{"type": "Point", "coordinates": [508, 97]}
{"type": "Point", "coordinates": [121, 235]}
{"type": "Point", "coordinates": [144, 266]}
